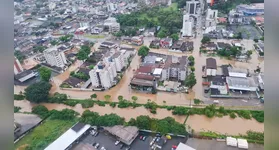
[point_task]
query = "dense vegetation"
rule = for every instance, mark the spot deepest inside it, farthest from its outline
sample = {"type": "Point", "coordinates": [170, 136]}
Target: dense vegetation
{"type": "Point", "coordinates": [45, 73]}
{"type": "Point", "coordinates": [233, 51]}
{"type": "Point", "coordinates": [38, 92]}
{"type": "Point", "coordinates": [19, 97]}
{"type": "Point", "coordinates": [169, 19]}
{"type": "Point", "coordinates": [83, 52]}
{"type": "Point", "coordinates": [190, 80]}
{"type": "Point", "coordinates": [143, 51]}
{"type": "Point", "coordinates": [16, 109]}
{"type": "Point", "coordinates": [19, 56]}
{"type": "Point", "coordinates": [80, 75]}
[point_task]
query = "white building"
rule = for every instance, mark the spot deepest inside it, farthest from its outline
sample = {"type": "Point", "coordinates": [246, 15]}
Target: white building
{"type": "Point", "coordinates": [17, 67]}
{"type": "Point", "coordinates": [191, 7]}
{"type": "Point", "coordinates": [187, 28]}
{"type": "Point", "coordinates": [103, 75]}
{"type": "Point", "coordinates": [118, 58]}
{"type": "Point", "coordinates": [211, 20]}
{"type": "Point", "coordinates": [175, 68]}
{"type": "Point", "coordinates": [112, 25]}
{"type": "Point", "coordinates": [55, 58]}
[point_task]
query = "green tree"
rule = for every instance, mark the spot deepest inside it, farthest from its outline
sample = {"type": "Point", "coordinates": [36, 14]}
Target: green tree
{"type": "Point", "coordinates": [65, 114]}
{"type": "Point", "coordinates": [190, 80]}
{"type": "Point", "coordinates": [19, 56]}
{"type": "Point", "coordinates": [40, 110]}
{"type": "Point", "coordinates": [120, 97]}
{"type": "Point", "coordinates": [81, 55]}
{"type": "Point", "coordinates": [38, 92]}
{"type": "Point", "coordinates": [143, 122]}
{"type": "Point", "coordinates": [93, 96]}
{"type": "Point", "coordinates": [134, 98]}
{"type": "Point", "coordinates": [107, 97]}
{"type": "Point", "coordinates": [191, 60]}
{"type": "Point", "coordinates": [45, 73]}
{"type": "Point", "coordinates": [91, 67]}
{"type": "Point", "coordinates": [249, 53]}
{"type": "Point", "coordinates": [38, 49]}
{"type": "Point", "coordinates": [232, 115]}
{"type": "Point", "coordinates": [66, 38]}
{"type": "Point", "coordinates": [161, 34]}
{"type": "Point", "coordinates": [235, 51]}
{"type": "Point", "coordinates": [175, 37]}
{"type": "Point", "coordinates": [205, 39]}
{"type": "Point", "coordinates": [143, 51]}
{"type": "Point", "coordinates": [192, 69]}
{"type": "Point", "coordinates": [54, 42]}
{"type": "Point", "coordinates": [197, 101]}
{"type": "Point", "coordinates": [86, 48]}
{"type": "Point", "coordinates": [256, 40]}
{"type": "Point", "coordinates": [58, 98]}
{"type": "Point", "coordinates": [262, 38]}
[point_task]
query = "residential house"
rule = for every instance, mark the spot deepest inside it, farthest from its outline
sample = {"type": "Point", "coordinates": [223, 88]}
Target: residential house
{"type": "Point", "coordinates": [73, 82]}
{"type": "Point", "coordinates": [166, 42]}
{"type": "Point", "coordinates": [210, 46]}
{"type": "Point", "coordinates": [179, 46]}
{"type": "Point", "coordinates": [150, 32]}
{"type": "Point", "coordinates": [222, 45]}
{"type": "Point", "coordinates": [108, 44]}
{"type": "Point", "coordinates": [54, 57]}
{"type": "Point", "coordinates": [136, 40]}
{"type": "Point", "coordinates": [143, 82]}
{"type": "Point", "coordinates": [155, 43]}
{"type": "Point", "coordinates": [211, 67]}
{"type": "Point", "coordinates": [175, 68]}
{"type": "Point", "coordinates": [218, 83]}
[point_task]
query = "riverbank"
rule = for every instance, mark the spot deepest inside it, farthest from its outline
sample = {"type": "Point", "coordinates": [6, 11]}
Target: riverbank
{"type": "Point", "coordinates": [197, 122]}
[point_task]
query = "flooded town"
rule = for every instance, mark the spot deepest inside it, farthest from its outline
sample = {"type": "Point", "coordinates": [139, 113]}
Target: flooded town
{"type": "Point", "coordinates": [193, 71]}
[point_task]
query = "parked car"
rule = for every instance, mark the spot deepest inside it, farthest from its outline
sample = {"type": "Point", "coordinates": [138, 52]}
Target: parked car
{"type": "Point", "coordinates": [121, 146]}
{"type": "Point", "coordinates": [127, 148]}
{"type": "Point", "coordinates": [94, 144]}
{"type": "Point", "coordinates": [97, 145]}
{"type": "Point", "coordinates": [103, 148]}
{"type": "Point", "coordinates": [117, 142]}
{"type": "Point", "coordinates": [144, 138]}
{"type": "Point", "coordinates": [215, 102]}
{"type": "Point", "coordinates": [96, 134]}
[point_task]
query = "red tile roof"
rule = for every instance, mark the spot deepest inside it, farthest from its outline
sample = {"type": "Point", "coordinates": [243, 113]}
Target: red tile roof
{"type": "Point", "coordinates": [145, 69]}
{"type": "Point", "coordinates": [144, 76]}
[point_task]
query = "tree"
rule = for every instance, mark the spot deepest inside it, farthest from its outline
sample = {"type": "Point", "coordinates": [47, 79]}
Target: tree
{"type": "Point", "coordinates": [249, 53]}
{"type": "Point", "coordinates": [93, 96]}
{"type": "Point", "coordinates": [143, 51]}
{"type": "Point", "coordinates": [107, 97]}
{"type": "Point", "coordinates": [45, 73]}
{"type": "Point", "coordinates": [58, 98]}
{"type": "Point", "coordinates": [86, 48]}
{"type": "Point", "coordinates": [191, 60]}
{"type": "Point", "coordinates": [256, 40]}
{"type": "Point", "coordinates": [161, 34]}
{"type": "Point", "coordinates": [235, 51]}
{"type": "Point", "coordinates": [38, 92]}
{"type": "Point", "coordinates": [54, 42]}
{"type": "Point", "coordinates": [91, 67]}
{"type": "Point", "coordinates": [192, 69]}
{"type": "Point", "coordinates": [262, 38]}
{"type": "Point", "coordinates": [40, 110]}
{"type": "Point", "coordinates": [65, 114]}
{"type": "Point", "coordinates": [190, 80]}
{"type": "Point", "coordinates": [205, 39]}
{"type": "Point", "coordinates": [143, 122]}
{"type": "Point", "coordinates": [120, 97]}
{"type": "Point", "coordinates": [66, 38]}
{"type": "Point", "coordinates": [197, 101]}
{"type": "Point", "coordinates": [81, 55]}
{"type": "Point", "coordinates": [175, 37]}
{"type": "Point", "coordinates": [38, 49]}
{"type": "Point", "coordinates": [134, 98]}
{"type": "Point", "coordinates": [19, 56]}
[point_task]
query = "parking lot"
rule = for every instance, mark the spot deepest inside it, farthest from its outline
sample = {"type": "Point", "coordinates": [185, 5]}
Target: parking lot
{"type": "Point", "coordinates": [248, 31]}
{"type": "Point", "coordinates": [108, 142]}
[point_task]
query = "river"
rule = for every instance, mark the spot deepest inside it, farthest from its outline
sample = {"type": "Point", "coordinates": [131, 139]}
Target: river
{"type": "Point", "coordinates": [197, 122]}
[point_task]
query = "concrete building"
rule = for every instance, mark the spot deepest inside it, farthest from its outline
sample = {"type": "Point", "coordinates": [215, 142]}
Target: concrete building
{"type": "Point", "coordinates": [55, 58]}
{"type": "Point", "coordinates": [235, 17]}
{"type": "Point", "coordinates": [187, 28]}
{"type": "Point", "coordinates": [191, 7]}
{"type": "Point", "coordinates": [118, 58]}
{"type": "Point", "coordinates": [103, 75]}
{"type": "Point", "coordinates": [17, 66]}
{"type": "Point", "coordinates": [175, 68]}
{"type": "Point", "coordinates": [211, 67]}
{"type": "Point", "coordinates": [252, 9]}
{"type": "Point", "coordinates": [112, 25]}
{"type": "Point", "coordinates": [211, 20]}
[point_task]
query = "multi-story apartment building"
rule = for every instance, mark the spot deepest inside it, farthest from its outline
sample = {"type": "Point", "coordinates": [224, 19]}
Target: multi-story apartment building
{"type": "Point", "coordinates": [103, 75]}
{"type": "Point", "coordinates": [118, 58]}
{"type": "Point", "coordinates": [175, 68]}
{"type": "Point", "coordinates": [17, 67]}
{"type": "Point", "coordinates": [55, 58]}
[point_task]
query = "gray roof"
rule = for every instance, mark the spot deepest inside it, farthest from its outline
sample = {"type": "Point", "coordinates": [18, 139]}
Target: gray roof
{"type": "Point", "coordinates": [126, 134]}
{"type": "Point", "coordinates": [211, 63]}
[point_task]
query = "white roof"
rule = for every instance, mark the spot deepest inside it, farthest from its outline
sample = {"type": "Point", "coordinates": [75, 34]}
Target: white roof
{"type": "Point", "coordinates": [242, 143]}
{"type": "Point", "coordinates": [182, 146]}
{"type": "Point", "coordinates": [157, 71]}
{"type": "Point", "coordinates": [67, 139]}
{"type": "Point", "coordinates": [231, 141]}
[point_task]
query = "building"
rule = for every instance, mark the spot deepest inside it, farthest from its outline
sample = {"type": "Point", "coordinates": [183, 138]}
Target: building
{"type": "Point", "coordinates": [211, 67]}
{"type": "Point", "coordinates": [108, 44]}
{"type": "Point", "coordinates": [166, 42]}
{"type": "Point", "coordinates": [191, 7]}
{"type": "Point", "coordinates": [183, 46]}
{"type": "Point", "coordinates": [252, 9]}
{"type": "Point", "coordinates": [222, 45]}
{"type": "Point", "coordinates": [237, 18]}
{"type": "Point", "coordinates": [125, 134]}
{"type": "Point", "coordinates": [211, 20]}
{"type": "Point", "coordinates": [241, 84]}
{"type": "Point", "coordinates": [17, 66]}
{"type": "Point", "coordinates": [210, 46]}
{"type": "Point", "coordinates": [175, 68]}
{"type": "Point", "coordinates": [55, 58]}
{"type": "Point", "coordinates": [112, 25]}
{"type": "Point", "coordinates": [182, 146]}
{"type": "Point", "coordinates": [25, 75]}
{"type": "Point", "coordinates": [136, 40]}
{"type": "Point", "coordinates": [103, 75]}
{"type": "Point", "coordinates": [187, 28]}
{"type": "Point", "coordinates": [66, 140]}
{"type": "Point", "coordinates": [143, 82]}
{"type": "Point", "coordinates": [118, 58]}
{"type": "Point", "coordinates": [218, 84]}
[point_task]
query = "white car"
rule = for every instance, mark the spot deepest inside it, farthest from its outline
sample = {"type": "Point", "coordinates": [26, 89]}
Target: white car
{"type": "Point", "coordinates": [102, 148]}
{"type": "Point", "coordinates": [97, 145]}
{"type": "Point", "coordinates": [216, 102]}
{"type": "Point", "coordinates": [117, 142]}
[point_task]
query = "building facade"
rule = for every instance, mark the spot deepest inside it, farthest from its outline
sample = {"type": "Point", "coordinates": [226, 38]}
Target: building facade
{"type": "Point", "coordinates": [17, 67]}
{"type": "Point", "coordinates": [55, 58]}
{"type": "Point", "coordinates": [187, 28]}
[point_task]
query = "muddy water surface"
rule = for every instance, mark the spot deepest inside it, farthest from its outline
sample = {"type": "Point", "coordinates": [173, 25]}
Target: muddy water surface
{"type": "Point", "coordinates": [224, 125]}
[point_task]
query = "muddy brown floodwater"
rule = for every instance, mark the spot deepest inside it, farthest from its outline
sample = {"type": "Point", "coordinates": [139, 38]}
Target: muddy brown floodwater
{"type": "Point", "coordinates": [224, 125]}
{"type": "Point", "coordinates": [197, 122]}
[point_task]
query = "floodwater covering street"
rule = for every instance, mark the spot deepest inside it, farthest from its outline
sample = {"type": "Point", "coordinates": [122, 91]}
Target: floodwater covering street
{"type": "Point", "coordinates": [123, 88]}
{"type": "Point", "coordinates": [197, 122]}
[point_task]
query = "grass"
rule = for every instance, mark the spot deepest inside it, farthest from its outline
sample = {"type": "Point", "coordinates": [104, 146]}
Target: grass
{"type": "Point", "coordinates": [94, 36]}
{"type": "Point", "coordinates": [173, 6]}
{"type": "Point", "coordinates": [44, 134]}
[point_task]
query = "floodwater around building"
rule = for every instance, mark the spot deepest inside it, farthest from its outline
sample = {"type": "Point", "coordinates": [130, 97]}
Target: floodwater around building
{"type": "Point", "coordinates": [196, 122]}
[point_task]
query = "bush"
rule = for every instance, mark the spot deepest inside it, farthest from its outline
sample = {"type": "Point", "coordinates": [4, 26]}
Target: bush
{"type": "Point", "coordinates": [87, 103]}
{"type": "Point", "coordinates": [112, 104]}
{"type": "Point", "coordinates": [180, 111]}
{"type": "Point", "coordinates": [93, 96]}
{"type": "Point", "coordinates": [258, 115]}
{"type": "Point", "coordinates": [232, 115]}
{"type": "Point", "coordinates": [71, 103]}
{"type": "Point", "coordinates": [124, 104]}
{"type": "Point", "coordinates": [244, 114]}
{"type": "Point", "coordinates": [16, 109]}
{"type": "Point", "coordinates": [153, 111]}
{"type": "Point", "coordinates": [65, 114]}
{"type": "Point", "coordinates": [58, 98]}
{"type": "Point", "coordinates": [197, 101]}
{"type": "Point", "coordinates": [40, 110]}
{"type": "Point", "coordinates": [100, 103]}
{"type": "Point", "coordinates": [19, 97]}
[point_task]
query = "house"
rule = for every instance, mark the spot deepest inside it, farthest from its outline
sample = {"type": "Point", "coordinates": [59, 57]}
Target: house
{"type": "Point", "coordinates": [179, 46]}
{"type": "Point", "coordinates": [150, 32]}
{"type": "Point", "coordinates": [143, 82]}
{"type": "Point", "coordinates": [97, 30]}
{"type": "Point", "coordinates": [211, 67]}
{"type": "Point", "coordinates": [166, 42]}
{"type": "Point", "coordinates": [73, 82]}
{"type": "Point", "coordinates": [155, 43]}
{"type": "Point", "coordinates": [241, 84]}
{"type": "Point", "coordinates": [218, 83]}
{"type": "Point", "coordinates": [210, 46]}
{"type": "Point", "coordinates": [107, 44]}
{"type": "Point", "coordinates": [25, 75]}
{"type": "Point", "coordinates": [136, 40]}
{"type": "Point", "coordinates": [189, 45]}
{"type": "Point", "coordinates": [222, 45]}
